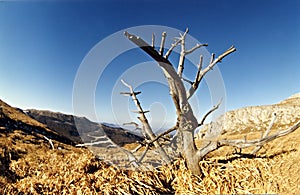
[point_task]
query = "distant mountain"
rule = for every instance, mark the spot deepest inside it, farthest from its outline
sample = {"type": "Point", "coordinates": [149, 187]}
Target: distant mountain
{"type": "Point", "coordinates": [257, 118]}
{"type": "Point", "coordinates": [15, 119]}
{"type": "Point", "coordinates": [60, 127]}
{"type": "Point", "coordinates": [77, 128]}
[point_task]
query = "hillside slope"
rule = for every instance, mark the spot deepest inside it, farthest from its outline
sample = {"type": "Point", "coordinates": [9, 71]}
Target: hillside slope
{"type": "Point", "coordinates": [14, 119]}
{"type": "Point", "coordinates": [78, 128]}
{"type": "Point", "coordinates": [21, 135]}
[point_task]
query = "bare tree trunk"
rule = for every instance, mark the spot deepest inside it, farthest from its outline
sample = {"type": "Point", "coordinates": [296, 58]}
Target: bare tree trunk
{"type": "Point", "coordinates": [189, 151]}
{"type": "Point", "coordinates": [187, 125]}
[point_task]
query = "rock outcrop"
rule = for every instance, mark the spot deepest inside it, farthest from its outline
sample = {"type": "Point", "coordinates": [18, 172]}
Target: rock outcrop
{"type": "Point", "coordinates": [258, 118]}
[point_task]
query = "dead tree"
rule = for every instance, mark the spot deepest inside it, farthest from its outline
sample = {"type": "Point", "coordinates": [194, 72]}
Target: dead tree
{"type": "Point", "coordinates": [186, 121]}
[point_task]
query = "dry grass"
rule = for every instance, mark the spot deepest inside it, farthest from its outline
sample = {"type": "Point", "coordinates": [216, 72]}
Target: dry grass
{"type": "Point", "coordinates": [31, 167]}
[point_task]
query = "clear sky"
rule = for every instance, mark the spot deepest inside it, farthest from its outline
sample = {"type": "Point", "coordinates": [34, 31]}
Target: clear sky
{"type": "Point", "coordinates": [42, 44]}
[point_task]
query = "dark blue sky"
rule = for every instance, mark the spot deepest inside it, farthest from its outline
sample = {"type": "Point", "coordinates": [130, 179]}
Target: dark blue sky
{"type": "Point", "coordinates": [42, 44]}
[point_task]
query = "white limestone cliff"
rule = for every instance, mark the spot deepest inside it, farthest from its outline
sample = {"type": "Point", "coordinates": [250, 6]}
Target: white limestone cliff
{"type": "Point", "coordinates": [257, 118]}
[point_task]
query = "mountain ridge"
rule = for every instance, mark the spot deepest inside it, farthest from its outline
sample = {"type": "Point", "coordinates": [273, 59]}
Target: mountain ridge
{"type": "Point", "coordinates": [13, 119]}
{"type": "Point", "coordinates": [81, 129]}
{"type": "Point", "coordinates": [257, 118]}
{"type": "Point", "coordinates": [59, 126]}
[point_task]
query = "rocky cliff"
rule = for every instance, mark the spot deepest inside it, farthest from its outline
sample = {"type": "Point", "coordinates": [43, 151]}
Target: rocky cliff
{"type": "Point", "coordinates": [257, 118]}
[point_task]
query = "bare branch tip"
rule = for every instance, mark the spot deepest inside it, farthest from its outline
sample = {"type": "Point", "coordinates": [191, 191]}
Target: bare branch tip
{"type": "Point", "coordinates": [232, 48]}
{"type": "Point", "coordinates": [126, 84]}
{"type": "Point", "coordinates": [127, 34]}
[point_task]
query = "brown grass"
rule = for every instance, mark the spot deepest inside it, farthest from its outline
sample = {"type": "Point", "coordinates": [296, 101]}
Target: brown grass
{"type": "Point", "coordinates": [32, 168]}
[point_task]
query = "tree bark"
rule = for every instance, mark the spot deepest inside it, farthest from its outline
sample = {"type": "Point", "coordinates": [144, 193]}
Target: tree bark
{"type": "Point", "coordinates": [189, 150]}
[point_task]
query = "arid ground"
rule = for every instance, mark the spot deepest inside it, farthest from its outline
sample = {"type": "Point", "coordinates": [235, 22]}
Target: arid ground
{"type": "Point", "coordinates": [30, 166]}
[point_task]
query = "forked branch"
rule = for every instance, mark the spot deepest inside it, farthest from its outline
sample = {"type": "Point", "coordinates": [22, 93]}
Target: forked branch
{"type": "Point", "coordinates": [185, 52]}
{"type": "Point", "coordinates": [201, 73]}
{"type": "Point", "coordinates": [148, 142]}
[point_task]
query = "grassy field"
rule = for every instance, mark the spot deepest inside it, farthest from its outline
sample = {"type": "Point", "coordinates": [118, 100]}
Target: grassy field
{"type": "Point", "coordinates": [29, 166]}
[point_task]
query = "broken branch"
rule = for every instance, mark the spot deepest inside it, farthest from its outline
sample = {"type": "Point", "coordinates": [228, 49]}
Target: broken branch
{"type": "Point", "coordinates": [188, 81]}
{"type": "Point", "coordinates": [50, 141]}
{"type": "Point", "coordinates": [157, 137]}
{"type": "Point", "coordinates": [171, 48]}
{"type": "Point", "coordinates": [209, 112]}
{"type": "Point", "coordinates": [130, 94]}
{"type": "Point", "coordinates": [196, 83]}
{"type": "Point", "coordinates": [208, 68]}
{"type": "Point", "coordinates": [182, 54]}
{"type": "Point", "coordinates": [195, 47]}
{"type": "Point", "coordinates": [153, 40]}
{"type": "Point", "coordinates": [133, 123]}
{"type": "Point", "coordinates": [144, 153]}
{"type": "Point", "coordinates": [164, 133]}
{"type": "Point", "coordinates": [132, 159]}
{"type": "Point", "coordinates": [162, 44]}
